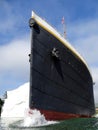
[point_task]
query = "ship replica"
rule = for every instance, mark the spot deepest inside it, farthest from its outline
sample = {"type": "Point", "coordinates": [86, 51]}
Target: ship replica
{"type": "Point", "coordinates": [61, 85]}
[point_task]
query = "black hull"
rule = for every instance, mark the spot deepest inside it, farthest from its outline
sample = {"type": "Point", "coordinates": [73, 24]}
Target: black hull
{"type": "Point", "coordinates": [59, 80]}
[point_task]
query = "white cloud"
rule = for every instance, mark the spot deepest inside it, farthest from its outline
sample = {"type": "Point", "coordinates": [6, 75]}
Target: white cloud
{"type": "Point", "coordinates": [14, 63]}
{"type": "Point", "coordinates": [14, 55]}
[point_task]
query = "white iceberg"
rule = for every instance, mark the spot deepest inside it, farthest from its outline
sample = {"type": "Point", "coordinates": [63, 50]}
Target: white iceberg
{"type": "Point", "coordinates": [17, 106]}
{"type": "Point", "coordinates": [17, 102]}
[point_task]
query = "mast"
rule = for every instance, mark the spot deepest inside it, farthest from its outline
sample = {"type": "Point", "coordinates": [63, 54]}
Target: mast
{"type": "Point", "coordinates": [64, 27]}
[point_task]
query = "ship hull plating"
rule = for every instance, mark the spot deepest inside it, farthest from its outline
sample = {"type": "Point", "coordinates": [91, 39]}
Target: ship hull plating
{"type": "Point", "coordinates": [60, 83]}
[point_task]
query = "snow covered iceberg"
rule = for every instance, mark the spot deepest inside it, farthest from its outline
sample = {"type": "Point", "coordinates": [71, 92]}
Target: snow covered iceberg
{"type": "Point", "coordinates": [17, 102]}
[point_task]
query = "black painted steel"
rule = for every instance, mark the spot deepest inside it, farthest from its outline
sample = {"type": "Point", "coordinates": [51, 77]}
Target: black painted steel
{"type": "Point", "coordinates": [59, 81]}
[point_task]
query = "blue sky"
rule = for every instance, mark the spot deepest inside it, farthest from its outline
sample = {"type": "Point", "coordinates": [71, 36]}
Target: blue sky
{"type": "Point", "coordinates": [81, 18]}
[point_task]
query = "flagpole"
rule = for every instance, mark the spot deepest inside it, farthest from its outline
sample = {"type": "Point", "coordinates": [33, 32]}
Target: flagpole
{"type": "Point", "coordinates": [64, 27]}
{"type": "Point", "coordinates": [64, 31]}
